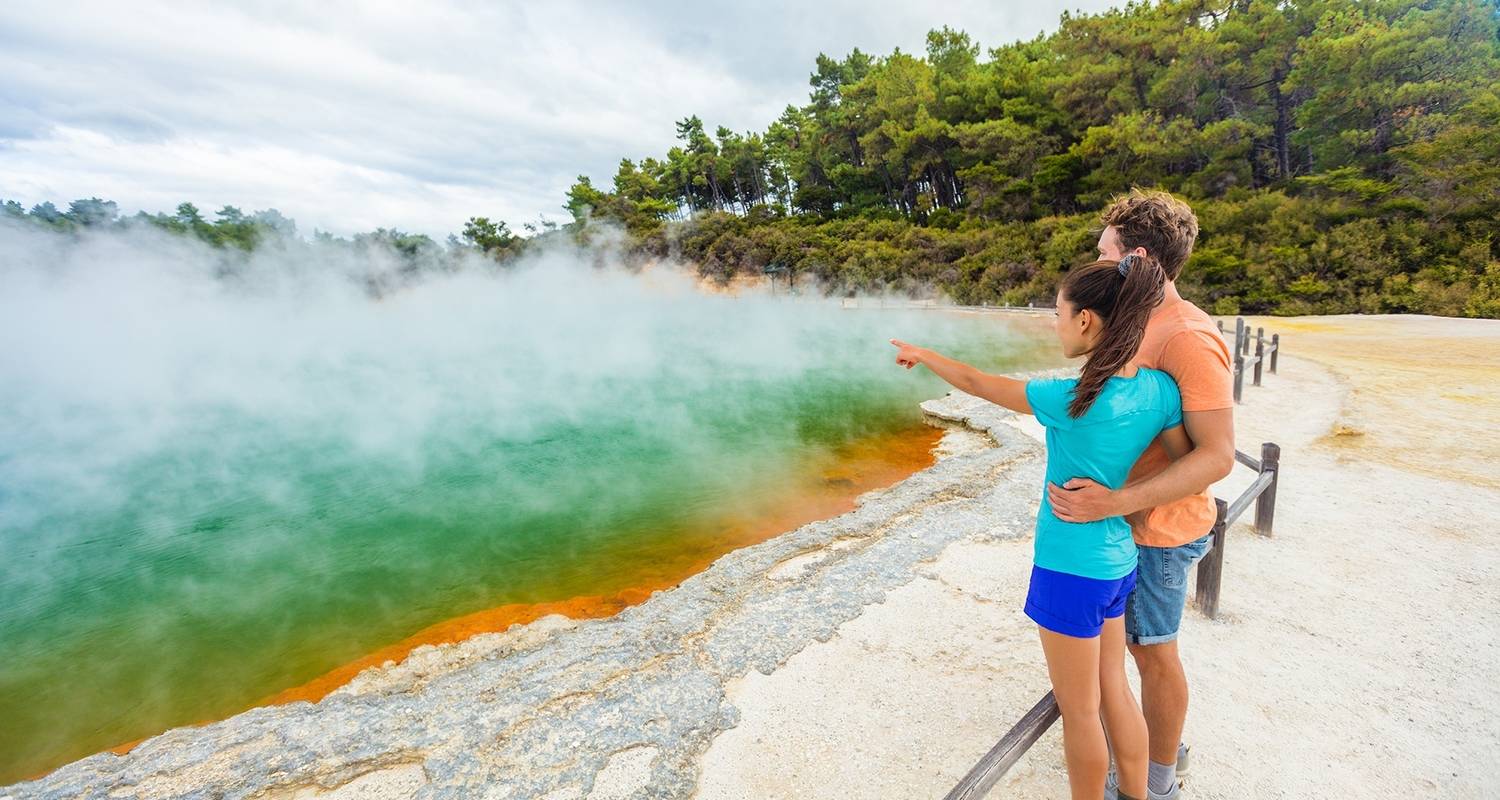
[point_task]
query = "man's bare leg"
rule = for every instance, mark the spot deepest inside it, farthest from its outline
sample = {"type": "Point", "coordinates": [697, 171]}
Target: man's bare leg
{"type": "Point", "coordinates": [1164, 697]}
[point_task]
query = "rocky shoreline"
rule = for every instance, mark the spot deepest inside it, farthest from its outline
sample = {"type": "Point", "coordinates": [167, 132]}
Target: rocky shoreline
{"type": "Point", "coordinates": [620, 707]}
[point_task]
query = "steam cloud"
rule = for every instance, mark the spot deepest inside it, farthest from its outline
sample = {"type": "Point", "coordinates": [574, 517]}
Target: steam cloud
{"type": "Point", "coordinates": [166, 408]}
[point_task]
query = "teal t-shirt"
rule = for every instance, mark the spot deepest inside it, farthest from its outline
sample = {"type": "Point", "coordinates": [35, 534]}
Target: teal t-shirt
{"type": "Point", "coordinates": [1103, 445]}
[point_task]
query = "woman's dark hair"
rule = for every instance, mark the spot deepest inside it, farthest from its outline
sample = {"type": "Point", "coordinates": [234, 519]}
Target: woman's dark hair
{"type": "Point", "coordinates": [1122, 293]}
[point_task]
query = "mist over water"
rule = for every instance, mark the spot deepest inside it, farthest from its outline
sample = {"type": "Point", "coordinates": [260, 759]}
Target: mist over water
{"type": "Point", "coordinates": [222, 475]}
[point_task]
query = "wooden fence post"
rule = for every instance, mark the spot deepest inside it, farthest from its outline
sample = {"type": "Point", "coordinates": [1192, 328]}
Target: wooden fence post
{"type": "Point", "coordinates": [1275, 350]}
{"type": "Point", "coordinates": [1211, 567]}
{"type": "Point", "coordinates": [1260, 356]}
{"type": "Point", "coordinates": [1239, 375]}
{"type": "Point", "coordinates": [1265, 505]}
{"type": "Point", "coordinates": [1239, 333]}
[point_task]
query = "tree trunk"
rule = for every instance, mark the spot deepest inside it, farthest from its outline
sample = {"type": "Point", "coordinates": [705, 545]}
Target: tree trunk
{"type": "Point", "coordinates": [890, 188]}
{"type": "Point", "coordinates": [713, 188]}
{"type": "Point", "coordinates": [855, 152]}
{"type": "Point", "coordinates": [1282, 128]}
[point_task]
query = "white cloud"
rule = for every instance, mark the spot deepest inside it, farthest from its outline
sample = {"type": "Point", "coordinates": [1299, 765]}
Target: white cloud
{"type": "Point", "coordinates": [353, 116]}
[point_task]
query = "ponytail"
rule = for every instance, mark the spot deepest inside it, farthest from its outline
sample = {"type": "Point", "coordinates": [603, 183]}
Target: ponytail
{"type": "Point", "coordinates": [1122, 293]}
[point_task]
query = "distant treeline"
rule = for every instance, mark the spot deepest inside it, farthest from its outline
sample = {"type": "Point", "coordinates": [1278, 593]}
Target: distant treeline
{"type": "Point", "coordinates": [378, 262]}
{"type": "Point", "coordinates": [1341, 157]}
{"type": "Point", "coordinates": [399, 258]}
{"type": "Point", "coordinates": [233, 228]}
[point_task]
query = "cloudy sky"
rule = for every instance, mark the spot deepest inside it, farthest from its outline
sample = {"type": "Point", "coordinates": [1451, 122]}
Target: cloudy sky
{"type": "Point", "coordinates": [352, 116]}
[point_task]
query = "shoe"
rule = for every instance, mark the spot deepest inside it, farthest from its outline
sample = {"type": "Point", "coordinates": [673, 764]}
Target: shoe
{"type": "Point", "coordinates": [1172, 794]}
{"type": "Point", "coordinates": [1112, 789]}
{"type": "Point", "coordinates": [1112, 782]}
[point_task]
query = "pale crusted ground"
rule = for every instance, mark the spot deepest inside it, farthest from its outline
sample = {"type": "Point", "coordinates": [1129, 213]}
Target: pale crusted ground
{"type": "Point", "coordinates": [1421, 389]}
{"type": "Point", "coordinates": [1356, 649]}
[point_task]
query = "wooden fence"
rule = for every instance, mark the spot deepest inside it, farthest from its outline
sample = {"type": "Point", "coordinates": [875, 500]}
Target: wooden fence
{"type": "Point", "coordinates": [1265, 353]}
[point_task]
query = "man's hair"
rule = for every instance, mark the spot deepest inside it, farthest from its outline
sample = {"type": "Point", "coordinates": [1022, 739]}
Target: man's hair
{"type": "Point", "coordinates": [1157, 221]}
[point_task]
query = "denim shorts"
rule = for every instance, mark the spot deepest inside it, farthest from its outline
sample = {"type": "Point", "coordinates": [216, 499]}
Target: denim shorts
{"type": "Point", "coordinates": [1073, 605]}
{"type": "Point", "coordinates": [1153, 614]}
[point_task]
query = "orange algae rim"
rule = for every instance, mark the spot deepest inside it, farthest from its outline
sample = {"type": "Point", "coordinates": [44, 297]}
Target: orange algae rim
{"type": "Point", "coordinates": [863, 465]}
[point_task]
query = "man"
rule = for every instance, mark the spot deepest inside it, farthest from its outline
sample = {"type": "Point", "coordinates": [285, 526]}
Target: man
{"type": "Point", "coordinates": [1167, 502]}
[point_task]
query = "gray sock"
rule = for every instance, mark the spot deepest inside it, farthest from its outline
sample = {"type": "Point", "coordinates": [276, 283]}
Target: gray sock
{"type": "Point", "coordinates": [1160, 777]}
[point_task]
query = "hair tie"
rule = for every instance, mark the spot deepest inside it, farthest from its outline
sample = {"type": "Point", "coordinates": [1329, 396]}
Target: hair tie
{"type": "Point", "coordinates": [1124, 265]}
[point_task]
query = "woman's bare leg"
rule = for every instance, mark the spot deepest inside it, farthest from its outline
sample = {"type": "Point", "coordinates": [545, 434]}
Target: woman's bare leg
{"type": "Point", "coordinates": [1073, 665]}
{"type": "Point", "coordinates": [1122, 717]}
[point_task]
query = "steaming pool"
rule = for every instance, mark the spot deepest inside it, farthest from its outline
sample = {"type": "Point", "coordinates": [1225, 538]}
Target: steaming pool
{"type": "Point", "coordinates": [212, 491]}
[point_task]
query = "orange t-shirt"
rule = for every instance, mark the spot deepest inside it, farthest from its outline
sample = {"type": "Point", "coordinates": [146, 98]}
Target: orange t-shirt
{"type": "Point", "coordinates": [1183, 342]}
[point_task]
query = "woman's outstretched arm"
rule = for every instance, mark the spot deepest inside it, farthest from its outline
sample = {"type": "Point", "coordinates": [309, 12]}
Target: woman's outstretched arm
{"type": "Point", "coordinates": [997, 389]}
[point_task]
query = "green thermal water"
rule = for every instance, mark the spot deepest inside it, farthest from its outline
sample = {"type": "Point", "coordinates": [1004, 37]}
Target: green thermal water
{"type": "Point", "coordinates": [191, 566]}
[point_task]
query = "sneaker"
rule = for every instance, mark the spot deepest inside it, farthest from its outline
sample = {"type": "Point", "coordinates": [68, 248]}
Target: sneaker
{"type": "Point", "coordinates": [1112, 788]}
{"type": "Point", "coordinates": [1172, 794]}
{"type": "Point", "coordinates": [1182, 760]}
{"type": "Point", "coordinates": [1112, 785]}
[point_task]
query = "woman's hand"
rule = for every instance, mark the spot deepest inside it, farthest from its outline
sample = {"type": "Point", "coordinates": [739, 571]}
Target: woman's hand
{"type": "Point", "coordinates": [910, 354]}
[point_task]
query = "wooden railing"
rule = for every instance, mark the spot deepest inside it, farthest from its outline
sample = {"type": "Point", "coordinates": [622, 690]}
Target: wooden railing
{"type": "Point", "coordinates": [1262, 492]}
{"type": "Point", "coordinates": [1265, 353]}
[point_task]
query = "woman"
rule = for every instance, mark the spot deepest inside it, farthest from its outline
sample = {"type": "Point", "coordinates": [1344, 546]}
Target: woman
{"type": "Point", "coordinates": [1097, 425]}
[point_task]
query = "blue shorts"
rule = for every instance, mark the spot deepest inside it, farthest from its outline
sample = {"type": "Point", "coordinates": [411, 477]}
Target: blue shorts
{"type": "Point", "coordinates": [1154, 612]}
{"type": "Point", "coordinates": [1074, 605]}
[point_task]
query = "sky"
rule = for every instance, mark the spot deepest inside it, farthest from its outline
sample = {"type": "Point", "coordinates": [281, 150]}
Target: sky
{"type": "Point", "coordinates": [349, 117]}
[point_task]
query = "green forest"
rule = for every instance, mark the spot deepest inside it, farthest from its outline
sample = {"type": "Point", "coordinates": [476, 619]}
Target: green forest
{"type": "Point", "coordinates": [1342, 157]}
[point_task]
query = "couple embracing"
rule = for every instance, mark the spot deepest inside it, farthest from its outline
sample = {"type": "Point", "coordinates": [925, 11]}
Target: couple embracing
{"type": "Point", "coordinates": [1133, 445]}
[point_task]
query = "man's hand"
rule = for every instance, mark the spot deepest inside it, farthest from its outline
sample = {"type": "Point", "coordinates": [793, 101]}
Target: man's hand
{"type": "Point", "coordinates": [1082, 500]}
{"type": "Point", "coordinates": [910, 354]}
